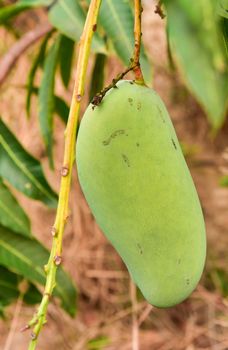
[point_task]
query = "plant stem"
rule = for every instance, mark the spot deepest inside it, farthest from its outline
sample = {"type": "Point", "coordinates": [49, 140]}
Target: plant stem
{"type": "Point", "coordinates": [55, 258]}
{"type": "Point", "coordinates": [138, 35]}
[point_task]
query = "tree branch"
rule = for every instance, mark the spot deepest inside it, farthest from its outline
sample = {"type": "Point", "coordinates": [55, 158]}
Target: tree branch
{"type": "Point", "coordinates": [30, 38]}
{"type": "Point", "coordinates": [138, 36]}
{"type": "Point", "coordinates": [55, 258]}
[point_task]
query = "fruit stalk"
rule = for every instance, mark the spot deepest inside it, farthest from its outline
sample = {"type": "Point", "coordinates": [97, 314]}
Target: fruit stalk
{"type": "Point", "coordinates": [138, 38]}
{"type": "Point", "coordinates": [55, 258]}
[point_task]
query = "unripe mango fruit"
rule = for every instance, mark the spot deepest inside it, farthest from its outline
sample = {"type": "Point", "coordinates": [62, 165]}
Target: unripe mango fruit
{"type": "Point", "coordinates": [138, 186]}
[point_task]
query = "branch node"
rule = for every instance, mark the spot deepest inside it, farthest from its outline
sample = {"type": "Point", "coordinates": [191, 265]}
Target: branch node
{"type": "Point", "coordinates": [79, 98]}
{"type": "Point", "coordinates": [46, 268]}
{"type": "Point", "coordinates": [57, 260]}
{"type": "Point", "coordinates": [64, 171]}
{"type": "Point", "coordinates": [25, 328]}
{"type": "Point", "coordinates": [53, 231]}
{"type": "Point", "coordinates": [33, 335]}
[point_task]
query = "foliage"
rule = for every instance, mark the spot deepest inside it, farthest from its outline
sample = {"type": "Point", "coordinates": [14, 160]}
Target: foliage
{"type": "Point", "coordinates": [20, 253]}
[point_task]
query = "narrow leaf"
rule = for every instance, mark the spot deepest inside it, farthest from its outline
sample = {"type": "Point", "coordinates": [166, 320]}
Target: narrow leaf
{"type": "Point", "coordinates": [66, 58]}
{"type": "Point", "coordinates": [222, 8]}
{"type": "Point", "coordinates": [61, 107]}
{"type": "Point", "coordinates": [97, 81]}
{"type": "Point", "coordinates": [224, 181]}
{"type": "Point", "coordinates": [69, 17]}
{"type": "Point", "coordinates": [10, 288]}
{"type": "Point", "coordinates": [36, 63]}
{"type": "Point", "coordinates": [23, 171]}
{"type": "Point", "coordinates": [117, 19]}
{"type": "Point", "coordinates": [11, 214]}
{"type": "Point", "coordinates": [46, 98]}
{"type": "Point", "coordinates": [200, 54]}
{"type": "Point", "coordinates": [26, 256]}
{"type": "Point", "coordinates": [7, 12]}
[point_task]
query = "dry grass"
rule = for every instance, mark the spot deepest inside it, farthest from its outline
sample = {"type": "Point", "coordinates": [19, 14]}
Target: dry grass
{"type": "Point", "coordinates": [107, 303]}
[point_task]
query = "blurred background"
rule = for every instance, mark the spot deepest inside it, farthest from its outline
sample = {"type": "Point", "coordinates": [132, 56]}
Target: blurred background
{"type": "Point", "coordinates": [184, 58]}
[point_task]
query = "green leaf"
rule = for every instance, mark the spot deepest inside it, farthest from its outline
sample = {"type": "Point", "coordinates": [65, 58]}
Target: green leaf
{"type": "Point", "coordinates": [10, 287]}
{"type": "Point", "coordinates": [23, 171]}
{"type": "Point", "coordinates": [62, 108]}
{"type": "Point", "coordinates": [69, 18]}
{"type": "Point", "coordinates": [117, 19]}
{"type": "Point", "coordinates": [7, 12]}
{"type": "Point", "coordinates": [224, 181]}
{"type": "Point", "coordinates": [32, 295]}
{"type": "Point", "coordinates": [34, 3]}
{"type": "Point", "coordinates": [98, 343]}
{"type": "Point", "coordinates": [224, 26]}
{"type": "Point", "coordinates": [46, 98]}
{"type": "Point", "coordinates": [222, 8]}
{"type": "Point", "coordinates": [11, 214]}
{"type": "Point", "coordinates": [35, 65]}
{"type": "Point", "coordinates": [200, 54]}
{"type": "Point", "coordinates": [26, 256]}
{"type": "Point", "coordinates": [97, 81]}
{"type": "Point", "coordinates": [66, 58]}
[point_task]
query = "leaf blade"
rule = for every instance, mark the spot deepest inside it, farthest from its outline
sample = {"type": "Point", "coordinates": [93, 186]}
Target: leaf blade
{"type": "Point", "coordinates": [46, 98]}
{"type": "Point", "coordinates": [117, 19]}
{"type": "Point", "coordinates": [66, 58]}
{"type": "Point", "coordinates": [199, 55]}
{"type": "Point", "coordinates": [23, 171]}
{"type": "Point", "coordinates": [12, 215]}
{"type": "Point", "coordinates": [26, 256]}
{"type": "Point", "coordinates": [31, 76]}
{"type": "Point", "coordinates": [69, 18]}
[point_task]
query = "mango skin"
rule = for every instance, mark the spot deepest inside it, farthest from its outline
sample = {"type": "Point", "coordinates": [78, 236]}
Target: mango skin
{"type": "Point", "coordinates": [139, 189]}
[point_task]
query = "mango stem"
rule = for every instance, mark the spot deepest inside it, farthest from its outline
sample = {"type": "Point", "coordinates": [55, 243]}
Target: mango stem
{"type": "Point", "coordinates": [138, 39]}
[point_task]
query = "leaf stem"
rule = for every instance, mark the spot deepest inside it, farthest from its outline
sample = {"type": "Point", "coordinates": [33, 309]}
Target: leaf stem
{"type": "Point", "coordinates": [138, 36]}
{"type": "Point", "coordinates": [55, 258]}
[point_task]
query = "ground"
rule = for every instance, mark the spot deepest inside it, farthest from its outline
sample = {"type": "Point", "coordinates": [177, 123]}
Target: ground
{"type": "Point", "coordinates": [106, 293]}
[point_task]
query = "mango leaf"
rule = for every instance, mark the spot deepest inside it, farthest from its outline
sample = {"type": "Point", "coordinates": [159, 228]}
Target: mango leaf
{"type": "Point", "coordinates": [224, 25]}
{"type": "Point", "coordinates": [98, 343]}
{"type": "Point", "coordinates": [23, 171]}
{"type": "Point", "coordinates": [11, 214]}
{"type": "Point", "coordinates": [10, 289]}
{"type": "Point", "coordinates": [26, 257]}
{"type": "Point", "coordinates": [97, 81]}
{"type": "Point", "coordinates": [61, 107]}
{"type": "Point", "coordinates": [35, 3]}
{"type": "Point", "coordinates": [117, 19]}
{"type": "Point", "coordinates": [7, 12]}
{"type": "Point", "coordinates": [224, 181]}
{"type": "Point", "coordinates": [35, 65]}
{"type": "Point", "coordinates": [200, 54]}
{"type": "Point", "coordinates": [66, 53]}
{"type": "Point", "coordinates": [222, 8]}
{"type": "Point", "coordinates": [69, 18]}
{"type": "Point", "coordinates": [46, 98]}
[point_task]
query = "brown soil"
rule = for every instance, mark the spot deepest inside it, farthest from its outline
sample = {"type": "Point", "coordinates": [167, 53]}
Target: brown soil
{"type": "Point", "coordinates": [105, 298]}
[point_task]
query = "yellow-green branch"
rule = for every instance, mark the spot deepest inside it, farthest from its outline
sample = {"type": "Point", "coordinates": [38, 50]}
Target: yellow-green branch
{"type": "Point", "coordinates": [138, 36]}
{"type": "Point", "coordinates": [55, 258]}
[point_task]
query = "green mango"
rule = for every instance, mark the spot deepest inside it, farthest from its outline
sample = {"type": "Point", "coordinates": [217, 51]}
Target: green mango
{"type": "Point", "coordinates": [133, 174]}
